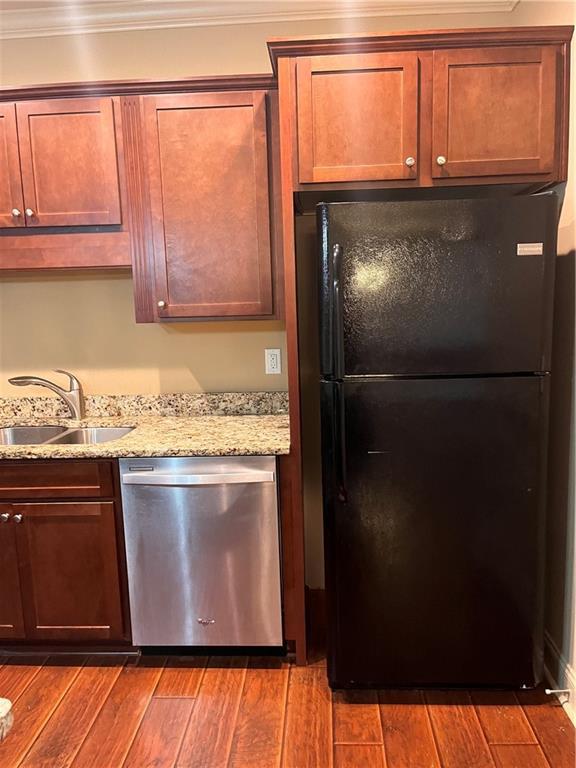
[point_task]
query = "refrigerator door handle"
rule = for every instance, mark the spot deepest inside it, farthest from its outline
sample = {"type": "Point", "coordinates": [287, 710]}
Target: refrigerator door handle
{"type": "Point", "coordinates": [340, 447]}
{"type": "Point", "coordinates": [337, 318]}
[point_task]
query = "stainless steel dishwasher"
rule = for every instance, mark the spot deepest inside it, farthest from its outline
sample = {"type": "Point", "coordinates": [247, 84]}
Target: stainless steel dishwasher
{"type": "Point", "coordinates": [203, 551]}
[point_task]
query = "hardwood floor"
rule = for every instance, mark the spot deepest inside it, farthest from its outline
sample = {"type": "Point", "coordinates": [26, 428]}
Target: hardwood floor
{"type": "Point", "coordinates": [192, 712]}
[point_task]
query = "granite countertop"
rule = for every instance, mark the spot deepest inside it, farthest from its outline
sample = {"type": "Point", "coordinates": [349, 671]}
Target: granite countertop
{"type": "Point", "coordinates": [164, 436]}
{"type": "Point", "coordinates": [206, 424]}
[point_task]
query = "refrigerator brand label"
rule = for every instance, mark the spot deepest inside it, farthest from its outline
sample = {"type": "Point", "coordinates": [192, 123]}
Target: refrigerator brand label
{"type": "Point", "coordinates": [529, 249]}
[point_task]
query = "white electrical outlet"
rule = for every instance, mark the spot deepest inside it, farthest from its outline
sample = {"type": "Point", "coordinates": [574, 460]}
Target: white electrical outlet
{"type": "Point", "coordinates": [273, 360]}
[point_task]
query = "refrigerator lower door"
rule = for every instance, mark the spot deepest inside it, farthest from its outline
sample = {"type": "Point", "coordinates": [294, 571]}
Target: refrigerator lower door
{"type": "Point", "coordinates": [433, 517]}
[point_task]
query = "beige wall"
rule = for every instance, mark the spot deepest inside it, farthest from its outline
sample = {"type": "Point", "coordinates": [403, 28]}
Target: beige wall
{"type": "Point", "coordinates": [86, 324]}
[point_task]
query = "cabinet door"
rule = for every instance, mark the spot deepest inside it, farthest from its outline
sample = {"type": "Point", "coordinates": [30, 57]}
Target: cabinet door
{"type": "Point", "coordinates": [69, 162]}
{"type": "Point", "coordinates": [11, 200]}
{"type": "Point", "coordinates": [208, 171]}
{"type": "Point", "coordinates": [357, 117]}
{"type": "Point", "coordinates": [69, 568]}
{"type": "Point", "coordinates": [494, 111]}
{"type": "Point", "coordinates": [11, 618]}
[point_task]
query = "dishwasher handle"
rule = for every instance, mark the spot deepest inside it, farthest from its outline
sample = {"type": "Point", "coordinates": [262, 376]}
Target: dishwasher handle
{"type": "Point", "coordinates": [213, 478]}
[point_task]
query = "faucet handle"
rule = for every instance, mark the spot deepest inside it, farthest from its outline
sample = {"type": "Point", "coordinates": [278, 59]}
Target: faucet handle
{"type": "Point", "coordinates": [74, 383]}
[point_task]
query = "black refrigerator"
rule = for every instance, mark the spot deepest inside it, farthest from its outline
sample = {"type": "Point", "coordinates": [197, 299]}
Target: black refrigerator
{"type": "Point", "coordinates": [435, 335]}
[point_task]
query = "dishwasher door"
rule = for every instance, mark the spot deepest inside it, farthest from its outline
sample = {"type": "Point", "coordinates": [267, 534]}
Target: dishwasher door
{"type": "Point", "coordinates": [203, 551]}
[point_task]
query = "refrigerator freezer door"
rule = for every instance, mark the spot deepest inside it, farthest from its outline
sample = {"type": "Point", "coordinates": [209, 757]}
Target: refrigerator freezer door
{"type": "Point", "coordinates": [433, 531]}
{"type": "Point", "coordinates": [439, 287]}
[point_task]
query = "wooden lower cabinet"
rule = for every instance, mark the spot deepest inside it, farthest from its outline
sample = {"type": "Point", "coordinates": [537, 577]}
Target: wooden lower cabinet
{"type": "Point", "coordinates": [11, 615]}
{"type": "Point", "coordinates": [69, 570]}
{"type": "Point", "coordinates": [61, 571]}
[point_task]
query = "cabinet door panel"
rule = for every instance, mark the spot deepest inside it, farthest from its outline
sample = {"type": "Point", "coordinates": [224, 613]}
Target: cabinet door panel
{"type": "Point", "coordinates": [69, 162]}
{"type": "Point", "coordinates": [10, 180]}
{"type": "Point", "coordinates": [357, 117]}
{"type": "Point", "coordinates": [69, 569]}
{"type": "Point", "coordinates": [11, 618]}
{"type": "Point", "coordinates": [494, 111]}
{"type": "Point", "coordinates": [208, 172]}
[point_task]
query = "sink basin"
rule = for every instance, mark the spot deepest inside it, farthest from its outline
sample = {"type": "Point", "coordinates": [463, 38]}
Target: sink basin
{"type": "Point", "coordinates": [29, 435]}
{"type": "Point", "coordinates": [91, 435]}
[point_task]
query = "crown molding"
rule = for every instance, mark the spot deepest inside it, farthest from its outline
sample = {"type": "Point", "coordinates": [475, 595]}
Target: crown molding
{"type": "Point", "coordinates": [51, 18]}
{"type": "Point", "coordinates": [100, 88]}
{"type": "Point", "coordinates": [435, 39]}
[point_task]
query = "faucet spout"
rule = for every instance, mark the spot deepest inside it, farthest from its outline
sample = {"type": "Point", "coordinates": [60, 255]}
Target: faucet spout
{"type": "Point", "coordinates": [73, 396]}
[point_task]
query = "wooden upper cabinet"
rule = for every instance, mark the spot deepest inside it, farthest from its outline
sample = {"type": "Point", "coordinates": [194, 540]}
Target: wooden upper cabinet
{"type": "Point", "coordinates": [69, 162]}
{"type": "Point", "coordinates": [357, 117]}
{"type": "Point", "coordinates": [209, 197]}
{"type": "Point", "coordinates": [495, 112]}
{"type": "Point", "coordinates": [69, 569]}
{"type": "Point", "coordinates": [11, 616]}
{"type": "Point", "coordinates": [11, 199]}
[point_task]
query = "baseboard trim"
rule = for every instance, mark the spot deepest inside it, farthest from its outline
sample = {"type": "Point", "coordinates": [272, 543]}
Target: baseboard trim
{"type": "Point", "coordinates": [566, 676]}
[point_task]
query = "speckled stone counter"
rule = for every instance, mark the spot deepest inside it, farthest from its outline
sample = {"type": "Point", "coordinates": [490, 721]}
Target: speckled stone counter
{"type": "Point", "coordinates": [161, 435]}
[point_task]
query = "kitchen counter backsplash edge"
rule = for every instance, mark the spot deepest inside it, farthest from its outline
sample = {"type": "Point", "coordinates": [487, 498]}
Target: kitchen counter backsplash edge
{"type": "Point", "coordinates": [177, 404]}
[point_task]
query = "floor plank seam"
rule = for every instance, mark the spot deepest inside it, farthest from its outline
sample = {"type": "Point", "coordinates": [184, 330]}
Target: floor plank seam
{"type": "Point", "coordinates": [139, 723]}
{"type": "Point", "coordinates": [542, 745]}
{"type": "Point", "coordinates": [23, 691]}
{"type": "Point", "coordinates": [192, 708]}
{"type": "Point", "coordinates": [513, 743]}
{"type": "Point", "coordinates": [340, 743]}
{"type": "Point", "coordinates": [98, 710]}
{"type": "Point", "coordinates": [235, 720]}
{"type": "Point", "coordinates": [284, 709]}
{"type": "Point", "coordinates": [538, 746]}
{"type": "Point", "coordinates": [285, 722]}
{"type": "Point", "coordinates": [426, 703]}
{"type": "Point", "coordinates": [38, 733]}
{"type": "Point", "coordinates": [532, 729]}
{"type": "Point", "coordinates": [480, 726]}
{"type": "Point", "coordinates": [104, 700]}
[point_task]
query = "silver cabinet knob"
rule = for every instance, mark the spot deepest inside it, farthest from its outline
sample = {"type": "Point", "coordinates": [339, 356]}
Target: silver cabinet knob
{"type": "Point", "coordinates": [17, 518]}
{"type": "Point", "coordinates": [4, 517]}
{"type": "Point", "coordinates": [16, 212]}
{"type": "Point", "coordinates": [29, 212]}
{"type": "Point", "coordinates": [441, 160]}
{"type": "Point", "coordinates": [161, 304]}
{"type": "Point", "coordinates": [410, 161]}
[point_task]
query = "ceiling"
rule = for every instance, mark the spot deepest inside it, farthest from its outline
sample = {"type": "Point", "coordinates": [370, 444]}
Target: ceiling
{"type": "Point", "coordinates": [47, 18]}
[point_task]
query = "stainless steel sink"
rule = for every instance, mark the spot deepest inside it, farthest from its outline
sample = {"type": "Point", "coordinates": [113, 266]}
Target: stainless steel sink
{"type": "Point", "coordinates": [29, 435]}
{"type": "Point", "coordinates": [90, 435]}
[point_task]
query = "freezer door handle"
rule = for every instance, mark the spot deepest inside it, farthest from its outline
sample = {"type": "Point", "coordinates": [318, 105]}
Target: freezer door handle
{"type": "Point", "coordinates": [337, 322]}
{"type": "Point", "coordinates": [214, 478]}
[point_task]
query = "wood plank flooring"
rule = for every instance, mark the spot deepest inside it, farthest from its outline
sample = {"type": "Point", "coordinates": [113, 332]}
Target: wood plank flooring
{"type": "Point", "coordinates": [192, 712]}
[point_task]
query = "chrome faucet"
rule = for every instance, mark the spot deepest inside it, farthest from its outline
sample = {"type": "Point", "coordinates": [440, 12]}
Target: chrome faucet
{"type": "Point", "coordinates": [73, 397]}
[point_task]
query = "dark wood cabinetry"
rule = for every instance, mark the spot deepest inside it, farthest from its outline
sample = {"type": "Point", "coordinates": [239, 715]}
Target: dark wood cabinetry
{"type": "Point", "coordinates": [11, 199]}
{"type": "Point", "coordinates": [69, 162]}
{"type": "Point", "coordinates": [69, 570]}
{"type": "Point", "coordinates": [495, 112]}
{"type": "Point", "coordinates": [208, 182]}
{"type": "Point", "coordinates": [357, 117]}
{"type": "Point", "coordinates": [60, 566]}
{"type": "Point", "coordinates": [426, 109]}
{"type": "Point", "coordinates": [61, 164]}
{"type": "Point", "coordinates": [11, 616]}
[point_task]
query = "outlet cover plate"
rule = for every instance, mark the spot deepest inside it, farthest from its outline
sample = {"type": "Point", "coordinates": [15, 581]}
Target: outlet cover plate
{"type": "Point", "coordinates": [273, 361]}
